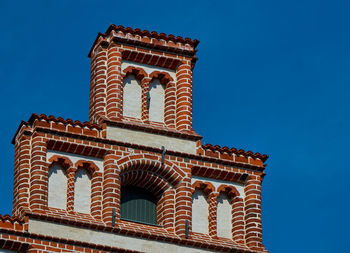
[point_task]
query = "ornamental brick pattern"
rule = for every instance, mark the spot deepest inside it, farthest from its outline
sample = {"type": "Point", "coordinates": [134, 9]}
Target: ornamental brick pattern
{"type": "Point", "coordinates": [170, 174]}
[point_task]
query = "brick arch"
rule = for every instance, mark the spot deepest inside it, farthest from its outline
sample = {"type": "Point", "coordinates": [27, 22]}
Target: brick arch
{"type": "Point", "coordinates": [139, 73]}
{"type": "Point", "coordinates": [229, 190]}
{"type": "Point", "coordinates": [90, 166]}
{"type": "Point", "coordinates": [163, 77]}
{"type": "Point", "coordinates": [206, 187]}
{"type": "Point", "coordinates": [65, 162]}
{"type": "Point", "coordinates": [145, 179]}
{"type": "Point", "coordinates": [169, 171]}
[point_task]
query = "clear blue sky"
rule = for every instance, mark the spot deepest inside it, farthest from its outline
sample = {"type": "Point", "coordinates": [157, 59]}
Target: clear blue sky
{"type": "Point", "coordinates": [272, 77]}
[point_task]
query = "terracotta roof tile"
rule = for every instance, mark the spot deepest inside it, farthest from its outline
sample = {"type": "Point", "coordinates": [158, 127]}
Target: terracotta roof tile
{"type": "Point", "coordinates": [140, 32]}
{"type": "Point", "coordinates": [235, 151]}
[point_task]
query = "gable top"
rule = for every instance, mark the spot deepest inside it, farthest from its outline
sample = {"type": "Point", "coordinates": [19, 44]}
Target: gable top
{"type": "Point", "coordinates": [170, 42]}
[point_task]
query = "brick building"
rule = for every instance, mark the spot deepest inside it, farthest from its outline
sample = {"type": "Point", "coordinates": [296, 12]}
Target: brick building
{"type": "Point", "coordinates": [136, 177]}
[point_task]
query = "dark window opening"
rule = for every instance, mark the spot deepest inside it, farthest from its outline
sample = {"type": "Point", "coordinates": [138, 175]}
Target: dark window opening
{"type": "Point", "coordinates": [137, 204]}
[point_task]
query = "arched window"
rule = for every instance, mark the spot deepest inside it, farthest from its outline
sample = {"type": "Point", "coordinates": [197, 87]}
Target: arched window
{"type": "Point", "coordinates": [200, 212]}
{"type": "Point", "coordinates": [224, 217]}
{"type": "Point", "coordinates": [82, 191]}
{"type": "Point", "coordinates": [138, 205]}
{"type": "Point", "coordinates": [157, 97]}
{"type": "Point", "coordinates": [132, 97]}
{"type": "Point", "coordinates": [57, 187]}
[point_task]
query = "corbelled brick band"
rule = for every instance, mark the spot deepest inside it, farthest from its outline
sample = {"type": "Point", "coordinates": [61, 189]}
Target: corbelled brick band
{"type": "Point", "coordinates": [253, 226]}
{"type": "Point", "coordinates": [184, 97]}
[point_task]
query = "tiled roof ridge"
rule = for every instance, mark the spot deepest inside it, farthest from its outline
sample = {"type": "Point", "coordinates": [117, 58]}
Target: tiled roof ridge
{"type": "Point", "coordinates": [152, 34]}
{"type": "Point", "coordinates": [220, 149]}
{"type": "Point", "coordinates": [35, 116]}
{"type": "Point", "coordinates": [147, 33]}
{"type": "Point", "coordinates": [8, 217]}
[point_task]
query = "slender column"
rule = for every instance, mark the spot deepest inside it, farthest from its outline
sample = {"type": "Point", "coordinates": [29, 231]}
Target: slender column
{"type": "Point", "coordinates": [70, 188]}
{"type": "Point", "coordinates": [96, 194]}
{"type": "Point", "coordinates": [170, 105]}
{"type": "Point", "coordinates": [213, 204]}
{"type": "Point", "coordinates": [238, 219]}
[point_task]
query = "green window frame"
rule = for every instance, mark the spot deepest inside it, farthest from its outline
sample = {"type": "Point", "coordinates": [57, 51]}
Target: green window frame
{"type": "Point", "coordinates": [138, 205]}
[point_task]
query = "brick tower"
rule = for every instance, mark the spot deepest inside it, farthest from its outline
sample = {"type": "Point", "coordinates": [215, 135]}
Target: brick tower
{"type": "Point", "coordinates": [135, 178]}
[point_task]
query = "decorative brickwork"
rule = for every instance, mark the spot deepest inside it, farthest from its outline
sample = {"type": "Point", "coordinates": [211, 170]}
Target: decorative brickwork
{"type": "Point", "coordinates": [171, 169]}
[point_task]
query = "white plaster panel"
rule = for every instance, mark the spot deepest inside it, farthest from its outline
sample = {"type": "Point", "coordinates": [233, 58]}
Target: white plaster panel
{"type": "Point", "coordinates": [200, 213]}
{"type": "Point", "coordinates": [149, 68]}
{"type": "Point", "coordinates": [74, 158]}
{"type": "Point", "coordinates": [7, 251]}
{"type": "Point", "coordinates": [57, 193]}
{"type": "Point", "coordinates": [82, 191]}
{"type": "Point", "coordinates": [106, 238]}
{"type": "Point", "coordinates": [217, 183]}
{"type": "Point", "coordinates": [151, 139]}
{"type": "Point", "coordinates": [157, 95]}
{"type": "Point", "coordinates": [132, 97]}
{"type": "Point", "coordinates": [224, 217]}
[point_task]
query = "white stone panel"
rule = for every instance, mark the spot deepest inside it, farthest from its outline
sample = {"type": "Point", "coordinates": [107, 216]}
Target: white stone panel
{"type": "Point", "coordinates": [157, 95]}
{"type": "Point", "coordinates": [57, 193]}
{"type": "Point", "coordinates": [224, 217]}
{"type": "Point", "coordinates": [106, 238]}
{"type": "Point", "coordinates": [217, 183]}
{"type": "Point", "coordinates": [132, 97]}
{"type": "Point", "coordinates": [82, 191]}
{"type": "Point", "coordinates": [151, 139]}
{"type": "Point", "coordinates": [148, 68]}
{"type": "Point", "coordinates": [200, 213]}
{"type": "Point", "coordinates": [74, 158]}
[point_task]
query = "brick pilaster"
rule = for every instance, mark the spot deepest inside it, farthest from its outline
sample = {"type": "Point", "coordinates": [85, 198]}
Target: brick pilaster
{"type": "Point", "coordinates": [114, 83]}
{"type": "Point", "coordinates": [253, 226]}
{"type": "Point", "coordinates": [39, 175]}
{"type": "Point", "coordinates": [184, 97]}
{"type": "Point", "coordinates": [98, 84]}
{"type": "Point", "coordinates": [183, 206]}
{"type": "Point", "coordinates": [111, 189]}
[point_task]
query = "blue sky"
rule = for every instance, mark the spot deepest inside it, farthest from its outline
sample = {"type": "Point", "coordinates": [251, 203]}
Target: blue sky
{"type": "Point", "coordinates": [272, 77]}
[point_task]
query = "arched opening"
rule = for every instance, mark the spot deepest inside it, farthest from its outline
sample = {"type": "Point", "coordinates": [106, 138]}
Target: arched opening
{"type": "Point", "coordinates": [82, 191]}
{"type": "Point", "coordinates": [57, 187]}
{"type": "Point", "coordinates": [224, 216]}
{"type": "Point", "coordinates": [132, 97]}
{"type": "Point", "coordinates": [157, 101]}
{"type": "Point", "coordinates": [200, 212]}
{"type": "Point", "coordinates": [138, 204]}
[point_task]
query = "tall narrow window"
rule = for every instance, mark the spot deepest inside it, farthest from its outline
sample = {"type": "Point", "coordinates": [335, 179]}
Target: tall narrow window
{"type": "Point", "coordinates": [57, 187]}
{"type": "Point", "coordinates": [138, 205]}
{"type": "Point", "coordinates": [224, 217]}
{"type": "Point", "coordinates": [200, 212]}
{"type": "Point", "coordinates": [156, 107]}
{"type": "Point", "coordinates": [132, 97]}
{"type": "Point", "coordinates": [82, 191]}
